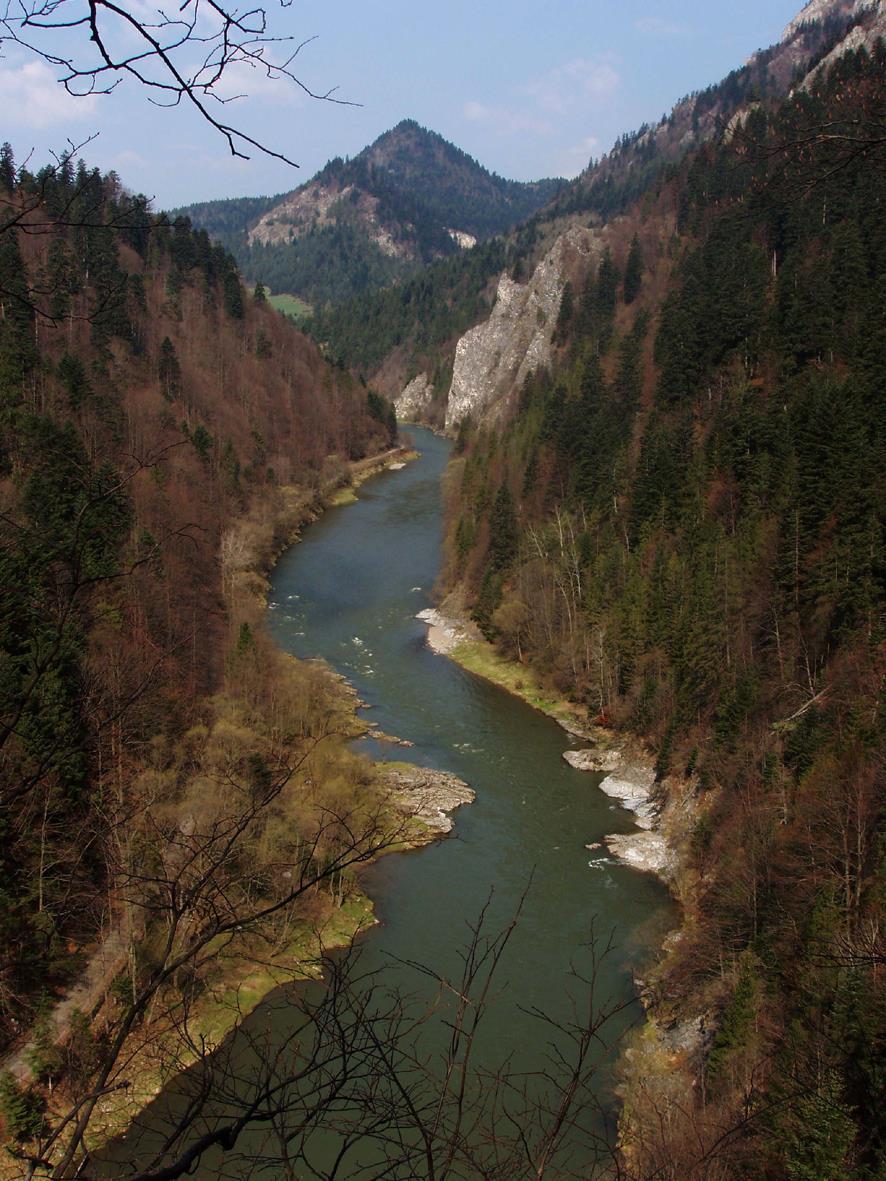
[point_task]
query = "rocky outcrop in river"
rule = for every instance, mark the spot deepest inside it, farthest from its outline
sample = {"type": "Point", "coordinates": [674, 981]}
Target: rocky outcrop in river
{"type": "Point", "coordinates": [593, 760]}
{"type": "Point", "coordinates": [427, 795]}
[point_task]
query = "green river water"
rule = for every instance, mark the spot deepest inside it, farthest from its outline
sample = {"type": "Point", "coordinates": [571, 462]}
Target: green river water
{"type": "Point", "coordinates": [349, 592]}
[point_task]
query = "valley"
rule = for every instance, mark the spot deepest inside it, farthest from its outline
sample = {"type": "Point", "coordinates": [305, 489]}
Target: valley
{"type": "Point", "coordinates": [621, 607]}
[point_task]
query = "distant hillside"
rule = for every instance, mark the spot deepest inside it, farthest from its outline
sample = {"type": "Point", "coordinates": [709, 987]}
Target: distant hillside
{"type": "Point", "coordinates": [821, 32]}
{"type": "Point", "coordinates": [359, 225]}
{"type": "Point", "coordinates": [393, 334]}
{"type": "Point", "coordinates": [226, 221]}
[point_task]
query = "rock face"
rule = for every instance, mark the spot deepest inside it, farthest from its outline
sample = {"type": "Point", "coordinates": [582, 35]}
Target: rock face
{"type": "Point", "coordinates": [817, 10]}
{"type": "Point", "coordinates": [593, 760]}
{"type": "Point", "coordinates": [465, 241]}
{"type": "Point", "coordinates": [870, 23]}
{"type": "Point", "coordinates": [632, 784]}
{"type": "Point", "coordinates": [861, 36]}
{"type": "Point", "coordinates": [322, 203]}
{"type": "Point", "coordinates": [429, 795]}
{"type": "Point", "coordinates": [631, 781]}
{"type": "Point", "coordinates": [493, 359]}
{"type": "Point", "coordinates": [642, 850]}
{"type": "Point", "coordinates": [415, 399]}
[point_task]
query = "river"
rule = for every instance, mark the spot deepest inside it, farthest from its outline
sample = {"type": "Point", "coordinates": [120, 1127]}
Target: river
{"type": "Point", "coordinates": [349, 592]}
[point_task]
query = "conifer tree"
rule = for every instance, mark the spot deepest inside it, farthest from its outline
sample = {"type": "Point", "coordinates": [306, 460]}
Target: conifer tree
{"type": "Point", "coordinates": [17, 349]}
{"type": "Point", "coordinates": [169, 370]}
{"type": "Point", "coordinates": [7, 168]}
{"type": "Point", "coordinates": [633, 279]}
{"type": "Point", "coordinates": [502, 530]}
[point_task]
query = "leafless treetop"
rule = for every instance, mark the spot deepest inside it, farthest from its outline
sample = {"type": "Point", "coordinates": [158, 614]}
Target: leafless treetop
{"type": "Point", "coordinates": [199, 52]}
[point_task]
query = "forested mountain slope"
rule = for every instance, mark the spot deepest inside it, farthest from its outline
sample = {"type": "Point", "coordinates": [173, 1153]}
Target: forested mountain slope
{"type": "Point", "coordinates": [154, 419]}
{"type": "Point", "coordinates": [227, 219]}
{"type": "Point", "coordinates": [394, 334]}
{"type": "Point", "coordinates": [679, 522]}
{"type": "Point", "coordinates": [361, 224]}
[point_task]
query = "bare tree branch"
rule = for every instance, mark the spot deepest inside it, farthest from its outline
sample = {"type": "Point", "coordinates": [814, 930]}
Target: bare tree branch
{"type": "Point", "coordinates": [186, 55]}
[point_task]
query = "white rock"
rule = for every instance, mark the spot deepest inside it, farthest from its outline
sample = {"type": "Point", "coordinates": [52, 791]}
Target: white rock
{"type": "Point", "coordinates": [464, 239]}
{"type": "Point", "coordinates": [632, 785]}
{"type": "Point", "coordinates": [817, 10]}
{"type": "Point", "coordinates": [493, 359]}
{"type": "Point", "coordinates": [415, 399]}
{"type": "Point", "coordinates": [641, 850]}
{"type": "Point", "coordinates": [593, 760]}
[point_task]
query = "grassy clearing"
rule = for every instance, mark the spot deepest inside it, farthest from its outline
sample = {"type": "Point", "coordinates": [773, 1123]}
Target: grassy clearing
{"type": "Point", "coordinates": [345, 495]}
{"type": "Point", "coordinates": [480, 657]}
{"type": "Point", "coordinates": [290, 305]}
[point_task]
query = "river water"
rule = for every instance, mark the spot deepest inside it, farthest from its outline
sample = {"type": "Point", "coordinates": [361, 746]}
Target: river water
{"type": "Point", "coordinates": [349, 592]}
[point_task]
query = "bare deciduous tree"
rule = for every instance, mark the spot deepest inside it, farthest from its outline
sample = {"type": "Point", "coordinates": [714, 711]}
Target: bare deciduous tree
{"type": "Point", "coordinates": [336, 1081]}
{"type": "Point", "coordinates": [200, 53]}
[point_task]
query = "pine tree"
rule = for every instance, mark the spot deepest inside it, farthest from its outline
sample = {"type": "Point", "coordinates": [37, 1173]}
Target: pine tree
{"type": "Point", "coordinates": [7, 168]}
{"type": "Point", "coordinates": [169, 370]}
{"type": "Point", "coordinates": [18, 353]}
{"type": "Point", "coordinates": [233, 295]}
{"type": "Point", "coordinates": [502, 531]}
{"type": "Point", "coordinates": [606, 291]}
{"type": "Point", "coordinates": [633, 279]}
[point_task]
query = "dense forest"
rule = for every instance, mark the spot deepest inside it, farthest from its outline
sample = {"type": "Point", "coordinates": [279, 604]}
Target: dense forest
{"type": "Point", "coordinates": [162, 432]}
{"type": "Point", "coordinates": [681, 527]}
{"type": "Point", "coordinates": [226, 219]}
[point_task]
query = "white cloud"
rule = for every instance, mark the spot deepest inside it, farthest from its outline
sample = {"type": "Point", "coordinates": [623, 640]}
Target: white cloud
{"type": "Point", "coordinates": [655, 26]}
{"type": "Point", "coordinates": [129, 159]}
{"type": "Point", "coordinates": [574, 83]}
{"type": "Point", "coordinates": [576, 159]}
{"type": "Point", "coordinates": [39, 101]}
{"type": "Point", "coordinates": [505, 121]}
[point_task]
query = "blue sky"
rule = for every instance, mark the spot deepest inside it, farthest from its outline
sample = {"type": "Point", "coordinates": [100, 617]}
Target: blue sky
{"type": "Point", "coordinates": [528, 89]}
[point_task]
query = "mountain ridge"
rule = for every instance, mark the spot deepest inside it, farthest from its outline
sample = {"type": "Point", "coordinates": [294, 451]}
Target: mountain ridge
{"type": "Point", "coordinates": [392, 336]}
{"type": "Point", "coordinates": [408, 198]}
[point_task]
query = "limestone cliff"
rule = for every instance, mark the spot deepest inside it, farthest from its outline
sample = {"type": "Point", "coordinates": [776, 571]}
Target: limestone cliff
{"type": "Point", "coordinates": [817, 10]}
{"type": "Point", "coordinates": [322, 203]}
{"type": "Point", "coordinates": [863, 35]}
{"type": "Point", "coordinates": [413, 402]}
{"type": "Point", "coordinates": [493, 359]}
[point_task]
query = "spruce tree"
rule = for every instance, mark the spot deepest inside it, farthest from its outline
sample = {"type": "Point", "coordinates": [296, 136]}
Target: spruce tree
{"type": "Point", "coordinates": [7, 168]}
{"type": "Point", "coordinates": [502, 531]}
{"type": "Point", "coordinates": [633, 271]}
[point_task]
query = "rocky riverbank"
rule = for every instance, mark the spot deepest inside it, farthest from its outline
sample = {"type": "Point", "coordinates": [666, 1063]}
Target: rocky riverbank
{"type": "Point", "coordinates": [446, 632]}
{"type": "Point", "coordinates": [630, 779]}
{"type": "Point", "coordinates": [427, 796]}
